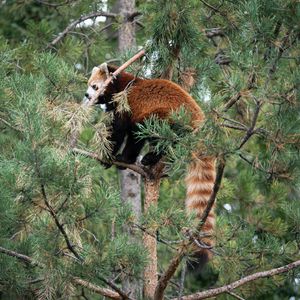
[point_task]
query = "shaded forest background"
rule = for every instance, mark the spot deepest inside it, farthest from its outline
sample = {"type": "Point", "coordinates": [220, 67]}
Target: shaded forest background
{"type": "Point", "coordinates": [64, 211]}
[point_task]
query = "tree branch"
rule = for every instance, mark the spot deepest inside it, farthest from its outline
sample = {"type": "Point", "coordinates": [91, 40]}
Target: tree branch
{"type": "Point", "coordinates": [166, 276]}
{"type": "Point", "coordinates": [102, 291]}
{"type": "Point", "coordinates": [24, 258]}
{"type": "Point", "coordinates": [55, 5]}
{"type": "Point", "coordinates": [94, 156]}
{"type": "Point", "coordinates": [96, 289]}
{"type": "Point", "coordinates": [10, 125]}
{"type": "Point", "coordinates": [251, 130]}
{"type": "Point", "coordinates": [212, 198]}
{"type": "Point", "coordinates": [61, 35]}
{"type": "Point", "coordinates": [59, 225]}
{"type": "Point", "coordinates": [229, 287]}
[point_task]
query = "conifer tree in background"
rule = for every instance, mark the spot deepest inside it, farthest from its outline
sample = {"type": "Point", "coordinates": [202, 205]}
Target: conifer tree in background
{"type": "Point", "coordinates": [59, 210]}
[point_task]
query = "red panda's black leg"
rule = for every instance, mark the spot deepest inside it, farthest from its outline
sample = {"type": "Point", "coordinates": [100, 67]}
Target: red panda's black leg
{"type": "Point", "coordinates": [132, 149]}
{"type": "Point", "coordinates": [151, 158]}
{"type": "Point", "coordinates": [120, 127]}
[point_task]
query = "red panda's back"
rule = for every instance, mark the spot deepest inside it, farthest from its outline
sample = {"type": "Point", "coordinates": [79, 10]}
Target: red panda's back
{"type": "Point", "coordinates": [160, 97]}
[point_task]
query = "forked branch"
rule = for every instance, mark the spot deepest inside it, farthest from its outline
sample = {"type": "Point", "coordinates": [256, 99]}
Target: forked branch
{"type": "Point", "coordinates": [167, 275]}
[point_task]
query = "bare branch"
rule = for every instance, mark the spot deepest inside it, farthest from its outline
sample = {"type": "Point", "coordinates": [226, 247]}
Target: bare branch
{"type": "Point", "coordinates": [76, 22]}
{"type": "Point", "coordinates": [24, 258]}
{"type": "Point", "coordinates": [94, 156]}
{"type": "Point", "coordinates": [229, 287]}
{"type": "Point", "coordinates": [216, 10]}
{"type": "Point", "coordinates": [55, 5]}
{"type": "Point", "coordinates": [98, 290]}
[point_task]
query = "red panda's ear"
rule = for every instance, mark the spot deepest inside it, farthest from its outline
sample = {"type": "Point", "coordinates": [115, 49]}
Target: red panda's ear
{"type": "Point", "coordinates": [104, 69]}
{"type": "Point", "coordinates": [95, 70]}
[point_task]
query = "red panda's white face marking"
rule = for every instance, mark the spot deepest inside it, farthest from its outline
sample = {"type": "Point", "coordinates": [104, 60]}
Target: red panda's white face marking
{"type": "Point", "coordinates": [96, 81]}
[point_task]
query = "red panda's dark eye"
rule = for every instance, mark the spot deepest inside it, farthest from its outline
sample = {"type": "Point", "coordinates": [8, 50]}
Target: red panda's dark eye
{"type": "Point", "coordinates": [94, 86]}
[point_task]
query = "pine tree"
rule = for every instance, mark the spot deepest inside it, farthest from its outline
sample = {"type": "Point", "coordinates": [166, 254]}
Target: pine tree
{"type": "Point", "coordinates": [59, 209]}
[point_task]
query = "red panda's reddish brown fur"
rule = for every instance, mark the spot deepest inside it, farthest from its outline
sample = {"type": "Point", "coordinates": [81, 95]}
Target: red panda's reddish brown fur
{"type": "Point", "coordinates": [160, 97]}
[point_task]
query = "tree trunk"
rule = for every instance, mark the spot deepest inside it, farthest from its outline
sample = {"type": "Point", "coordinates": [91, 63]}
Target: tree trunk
{"type": "Point", "coordinates": [150, 272]}
{"type": "Point", "coordinates": [130, 181]}
{"type": "Point", "coordinates": [126, 36]}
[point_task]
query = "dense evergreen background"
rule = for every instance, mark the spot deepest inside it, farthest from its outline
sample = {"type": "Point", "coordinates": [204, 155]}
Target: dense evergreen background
{"type": "Point", "coordinates": [64, 211]}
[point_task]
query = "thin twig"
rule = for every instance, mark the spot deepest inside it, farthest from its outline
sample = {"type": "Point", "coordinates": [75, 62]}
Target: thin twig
{"type": "Point", "coordinates": [59, 225]}
{"type": "Point", "coordinates": [10, 125]}
{"type": "Point", "coordinates": [52, 212]}
{"type": "Point", "coordinates": [251, 130]}
{"type": "Point", "coordinates": [61, 35]}
{"type": "Point", "coordinates": [235, 295]}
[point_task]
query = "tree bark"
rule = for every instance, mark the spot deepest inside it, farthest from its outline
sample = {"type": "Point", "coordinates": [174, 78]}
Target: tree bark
{"type": "Point", "coordinates": [151, 185]}
{"type": "Point", "coordinates": [130, 181]}
{"type": "Point", "coordinates": [126, 35]}
{"type": "Point", "coordinates": [150, 272]}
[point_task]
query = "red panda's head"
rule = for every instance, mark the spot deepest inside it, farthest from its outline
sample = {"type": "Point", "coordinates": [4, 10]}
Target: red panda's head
{"type": "Point", "coordinates": [96, 81]}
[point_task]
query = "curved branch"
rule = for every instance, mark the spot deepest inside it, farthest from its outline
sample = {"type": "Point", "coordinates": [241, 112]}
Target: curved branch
{"type": "Point", "coordinates": [212, 198]}
{"type": "Point", "coordinates": [229, 287]}
{"type": "Point", "coordinates": [76, 22]}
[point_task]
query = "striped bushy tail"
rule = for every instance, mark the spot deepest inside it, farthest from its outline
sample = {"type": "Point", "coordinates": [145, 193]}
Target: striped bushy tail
{"type": "Point", "coordinates": [200, 180]}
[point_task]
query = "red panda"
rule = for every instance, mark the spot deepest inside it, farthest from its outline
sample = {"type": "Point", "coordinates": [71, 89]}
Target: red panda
{"type": "Point", "coordinates": [147, 97]}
